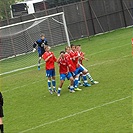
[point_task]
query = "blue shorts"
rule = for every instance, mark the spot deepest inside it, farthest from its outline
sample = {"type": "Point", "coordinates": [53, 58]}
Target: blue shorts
{"type": "Point", "coordinates": [40, 52]}
{"type": "Point", "coordinates": [50, 73]}
{"type": "Point", "coordinates": [64, 76]}
{"type": "Point", "coordinates": [80, 69]}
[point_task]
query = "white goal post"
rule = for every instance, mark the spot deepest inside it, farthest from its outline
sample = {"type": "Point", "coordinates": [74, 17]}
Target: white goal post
{"type": "Point", "coordinates": [18, 38]}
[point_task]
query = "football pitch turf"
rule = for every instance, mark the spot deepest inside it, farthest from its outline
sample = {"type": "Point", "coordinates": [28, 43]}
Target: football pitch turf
{"type": "Point", "coordinates": [101, 108]}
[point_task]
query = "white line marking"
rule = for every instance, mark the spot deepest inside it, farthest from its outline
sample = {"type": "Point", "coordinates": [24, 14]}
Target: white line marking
{"type": "Point", "coordinates": [22, 86]}
{"type": "Point", "coordinates": [72, 115]}
{"type": "Point", "coordinates": [58, 75]}
{"type": "Point", "coordinates": [16, 70]}
{"type": "Point", "coordinates": [118, 59]}
{"type": "Point", "coordinates": [109, 49]}
{"type": "Point", "coordinates": [14, 74]}
{"type": "Point", "coordinates": [20, 69]}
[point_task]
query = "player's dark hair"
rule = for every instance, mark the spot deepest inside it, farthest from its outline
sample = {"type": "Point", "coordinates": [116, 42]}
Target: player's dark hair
{"type": "Point", "coordinates": [72, 45]}
{"type": "Point", "coordinates": [79, 45]}
{"type": "Point", "coordinates": [62, 52]}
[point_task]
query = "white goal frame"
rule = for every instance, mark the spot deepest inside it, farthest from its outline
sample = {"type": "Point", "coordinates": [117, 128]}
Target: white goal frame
{"type": "Point", "coordinates": [45, 17]}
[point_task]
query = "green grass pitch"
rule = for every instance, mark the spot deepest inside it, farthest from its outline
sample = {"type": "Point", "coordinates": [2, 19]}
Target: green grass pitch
{"type": "Point", "coordinates": [101, 108]}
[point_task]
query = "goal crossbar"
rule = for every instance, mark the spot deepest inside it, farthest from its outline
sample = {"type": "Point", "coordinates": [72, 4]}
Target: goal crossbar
{"type": "Point", "coordinates": [45, 17]}
{"type": "Point", "coordinates": [36, 19]}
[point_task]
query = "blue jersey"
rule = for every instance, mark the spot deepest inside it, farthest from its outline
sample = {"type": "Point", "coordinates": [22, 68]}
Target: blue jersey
{"type": "Point", "coordinates": [40, 44]}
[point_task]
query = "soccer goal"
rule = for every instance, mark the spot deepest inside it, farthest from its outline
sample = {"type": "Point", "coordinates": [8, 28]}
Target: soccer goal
{"type": "Point", "coordinates": [18, 38]}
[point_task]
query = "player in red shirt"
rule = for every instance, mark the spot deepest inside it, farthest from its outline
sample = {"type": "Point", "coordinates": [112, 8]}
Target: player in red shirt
{"type": "Point", "coordinates": [85, 72]}
{"type": "Point", "coordinates": [75, 58]}
{"type": "Point", "coordinates": [74, 55]}
{"type": "Point", "coordinates": [72, 67]}
{"type": "Point", "coordinates": [64, 73]}
{"type": "Point", "coordinates": [50, 59]}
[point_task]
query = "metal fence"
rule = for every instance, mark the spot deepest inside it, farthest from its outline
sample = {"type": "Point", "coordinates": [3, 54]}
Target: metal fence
{"type": "Point", "coordinates": [89, 17]}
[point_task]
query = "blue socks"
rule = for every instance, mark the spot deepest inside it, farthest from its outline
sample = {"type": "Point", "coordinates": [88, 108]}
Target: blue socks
{"type": "Point", "coordinates": [76, 82]}
{"type": "Point", "coordinates": [49, 84]}
{"type": "Point", "coordinates": [89, 76]}
{"type": "Point", "coordinates": [53, 83]}
{"type": "Point", "coordinates": [59, 90]}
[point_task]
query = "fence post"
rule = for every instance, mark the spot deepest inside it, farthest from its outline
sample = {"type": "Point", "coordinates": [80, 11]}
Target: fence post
{"type": "Point", "coordinates": [11, 37]}
{"type": "Point", "coordinates": [84, 14]}
{"type": "Point", "coordinates": [124, 17]}
{"type": "Point", "coordinates": [91, 17]}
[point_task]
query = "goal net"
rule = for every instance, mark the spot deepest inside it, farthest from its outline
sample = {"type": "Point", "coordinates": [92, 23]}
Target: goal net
{"type": "Point", "coordinates": [17, 39]}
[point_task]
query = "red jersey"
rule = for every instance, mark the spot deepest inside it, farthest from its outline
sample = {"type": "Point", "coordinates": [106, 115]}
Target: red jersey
{"type": "Point", "coordinates": [50, 62]}
{"type": "Point", "coordinates": [81, 57]}
{"type": "Point", "coordinates": [63, 67]}
{"type": "Point", "coordinates": [70, 63]}
{"type": "Point", "coordinates": [75, 58]}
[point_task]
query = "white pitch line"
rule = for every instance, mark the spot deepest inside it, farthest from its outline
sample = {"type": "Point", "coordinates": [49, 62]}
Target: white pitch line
{"type": "Point", "coordinates": [21, 86]}
{"type": "Point", "coordinates": [109, 49]}
{"type": "Point", "coordinates": [72, 115]}
{"type": "Point", "coordinates": [20, 69]}
{"type": "Point", "coordinates": [16, 70]}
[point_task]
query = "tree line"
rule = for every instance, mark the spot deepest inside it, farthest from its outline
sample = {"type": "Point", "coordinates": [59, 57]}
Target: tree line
{"type": "Point", "coordinates": [5, 6]}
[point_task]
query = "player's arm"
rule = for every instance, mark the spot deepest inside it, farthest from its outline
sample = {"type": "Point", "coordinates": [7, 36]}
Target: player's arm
{"type": "Point", "coordinates": [67, 69]}
{"type": "Point", "coordinates": [46, 59]}
{"type": "Point", "coordinates": [58, 60]}
{"type": "Point", "coordinates": [34, 46]}
{"type": "Point", "coordinates": [82, 57]}
{"type": "Point", "coordinates": [46, 43]}
{"type": "Point", "coordinates": [86, 59]}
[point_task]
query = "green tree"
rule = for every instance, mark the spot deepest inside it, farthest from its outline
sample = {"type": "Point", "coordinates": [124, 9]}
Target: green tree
{"type": "Point", "coordinates": [5, 8]}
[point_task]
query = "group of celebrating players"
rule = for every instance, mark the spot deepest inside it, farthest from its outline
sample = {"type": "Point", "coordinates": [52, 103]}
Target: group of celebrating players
{"type": "Point", "coordinates": [70, 66]}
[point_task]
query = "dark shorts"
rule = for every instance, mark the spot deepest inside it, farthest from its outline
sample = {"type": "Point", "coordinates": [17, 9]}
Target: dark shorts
{"type": "Point", "coordinates": [40, 52]}
{"type": "Point", "coordinates": [64, 76]}
{"type": "Point", "coordinates": [1, 111]}
{"type": "Point", "coordinates": [50, 73]}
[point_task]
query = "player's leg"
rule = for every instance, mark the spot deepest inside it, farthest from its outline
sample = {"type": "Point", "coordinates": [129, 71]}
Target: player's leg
{"type": "Point", "coordinates": [53, 80]}
{"type": "Point", "coordinates": [85, 72]}
{"type": "Point", "coordinates": [70, 77]}
{"type": "Point", "coordinates": [62, 79]}
{"type": "Point", "coordinates": [39, 61]}
{"type": "Point", "coordinates": [80, 79]}
{"type": "Point", "coordinates": [49, 86]}
{"type": "Point", "coordinates": [54, 83]}
{"type": "Point", "coordinates": [85, 81]}
{"type": "Point", "coordinates": [48, 75]}
{"type": "Point", "coordinates": [1, 125]}
{"type": "Point", "coordinates": [90, 77]}
{"type": "Point", "coordinates": [71, 84]}
{"type": "Point", "coordinates": [1, 121]}
{"type": "Point", "coordinates": [60, 87]}
{"type": "Point", "coordinates": [76, 79]}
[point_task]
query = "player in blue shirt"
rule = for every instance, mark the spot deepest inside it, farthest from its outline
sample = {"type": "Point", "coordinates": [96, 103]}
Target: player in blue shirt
{"type": "Point", "coordinates": [40, 43]}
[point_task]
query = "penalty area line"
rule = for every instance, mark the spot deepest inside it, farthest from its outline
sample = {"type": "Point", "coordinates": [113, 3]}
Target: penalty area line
{"type": "Point", "coordinates": [72, 115]}
{"type": "Point", "coordinates": [20, 69]}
